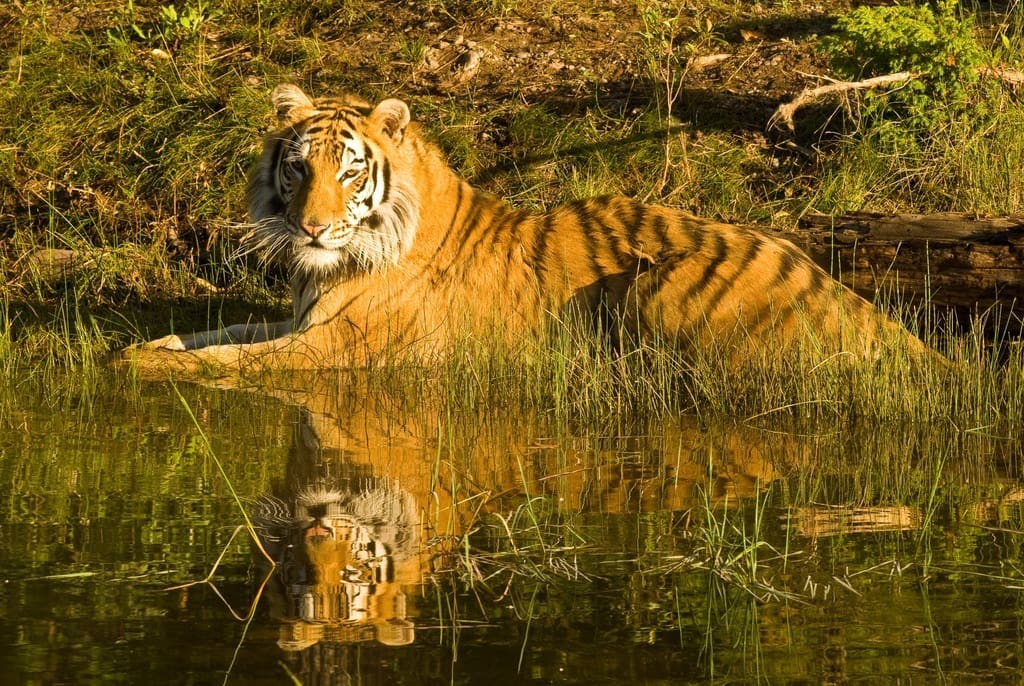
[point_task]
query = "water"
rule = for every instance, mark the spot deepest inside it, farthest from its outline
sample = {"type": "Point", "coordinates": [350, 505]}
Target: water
{"type": "Point", "coordinates": [425, 543]}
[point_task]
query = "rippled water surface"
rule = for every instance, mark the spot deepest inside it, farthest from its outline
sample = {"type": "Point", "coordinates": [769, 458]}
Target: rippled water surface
{"type": "Point", "coordinates": [431, 544]}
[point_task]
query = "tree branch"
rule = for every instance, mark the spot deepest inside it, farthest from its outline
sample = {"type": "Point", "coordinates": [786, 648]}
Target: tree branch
{"type": "Point", "coordinates": [785, 112]}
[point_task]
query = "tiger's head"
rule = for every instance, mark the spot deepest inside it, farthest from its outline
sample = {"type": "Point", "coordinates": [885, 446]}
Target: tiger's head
{"type": "Point", "coordinates": [342, 560]}
{"type": "Point", "coordinates": [332, 190]}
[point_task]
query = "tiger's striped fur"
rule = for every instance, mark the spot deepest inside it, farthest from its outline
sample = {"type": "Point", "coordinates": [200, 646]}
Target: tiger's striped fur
{"type": "Point", "coordinates": [390, 252]}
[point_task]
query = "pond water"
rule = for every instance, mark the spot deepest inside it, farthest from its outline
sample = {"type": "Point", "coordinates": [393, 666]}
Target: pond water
{"type": "Point", "coordinates": [430, 544]}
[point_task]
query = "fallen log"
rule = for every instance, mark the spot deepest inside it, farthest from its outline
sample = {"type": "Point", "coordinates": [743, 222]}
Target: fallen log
{"type": "Point", "coordinates": [956, 262]}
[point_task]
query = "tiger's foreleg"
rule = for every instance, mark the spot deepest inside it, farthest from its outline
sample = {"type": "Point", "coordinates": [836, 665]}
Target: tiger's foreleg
{"type": "Point", "coordinates": [237, 333]}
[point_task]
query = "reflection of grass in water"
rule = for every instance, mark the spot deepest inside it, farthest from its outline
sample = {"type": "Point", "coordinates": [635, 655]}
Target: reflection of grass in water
{"type": "Point", "coordinates": [899, 494]}
{"type": "Point", "coordinates": [253, 536]}
{"type": "Point", "coordinates": [534, 552]}
{"type": "Point", "coordinates": [536, 545]}
{"type": "Point", "coordinates": [543, 563]}
{"type": "Point", "coordinates": [734, 550]}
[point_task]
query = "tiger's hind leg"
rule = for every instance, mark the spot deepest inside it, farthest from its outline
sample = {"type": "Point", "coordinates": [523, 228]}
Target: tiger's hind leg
{"type": "Point", "coordinates": [787, 307]}
{"type": "Point", "coordinates": [713, 311]}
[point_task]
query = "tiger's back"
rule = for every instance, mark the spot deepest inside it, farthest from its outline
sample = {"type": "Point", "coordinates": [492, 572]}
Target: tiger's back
{"type": "Point", "coordinates": [391, 252]}
{"type": "Point", "coordinates": [695, 284]}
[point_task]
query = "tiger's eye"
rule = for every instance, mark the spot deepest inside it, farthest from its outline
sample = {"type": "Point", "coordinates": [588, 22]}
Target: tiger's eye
{"type": "Point", "coordinates": [296, 168]}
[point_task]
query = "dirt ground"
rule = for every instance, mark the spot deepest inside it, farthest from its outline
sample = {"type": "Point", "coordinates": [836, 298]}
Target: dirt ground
{"type": "Point", "coordinates": [739, 61]}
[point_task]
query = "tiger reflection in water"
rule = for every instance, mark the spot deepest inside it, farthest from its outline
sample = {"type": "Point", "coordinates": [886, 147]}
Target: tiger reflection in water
{"type": "Point", "coordinates": [373, 495]}
{"type": "Point", "coordinates": [345, 542]}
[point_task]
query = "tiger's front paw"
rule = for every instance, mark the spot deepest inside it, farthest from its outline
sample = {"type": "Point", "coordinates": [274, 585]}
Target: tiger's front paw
{"type": "Point", "coordinates": [172, 342]}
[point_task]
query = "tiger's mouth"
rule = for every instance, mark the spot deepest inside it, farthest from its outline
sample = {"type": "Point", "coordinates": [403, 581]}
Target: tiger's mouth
{"type": "Point", "coordinates": [318, 529]}
{"type": "Point", "coordinates": [309, 257]}
{"type": "Point", "coordinates": [323, 252]}
{"type": "Point", "coordinates": [336, 236]}
{"type": "Point", "coordinates": [316, 244]}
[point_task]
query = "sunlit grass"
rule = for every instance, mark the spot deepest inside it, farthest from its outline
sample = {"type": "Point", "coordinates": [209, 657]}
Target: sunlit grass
{"type": "Point", "coordinates": [572, 376]}
{"type": "Point", "coordinates": [961, 167]}
{"type": "Point", "coordinates": [127, 144]}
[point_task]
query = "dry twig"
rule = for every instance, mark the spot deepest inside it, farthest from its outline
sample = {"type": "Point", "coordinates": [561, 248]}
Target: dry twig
{"type": "Point", "coordinates": [785, 112]}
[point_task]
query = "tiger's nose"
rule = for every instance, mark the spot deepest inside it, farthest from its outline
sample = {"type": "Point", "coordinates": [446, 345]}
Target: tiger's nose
{"type": "Point", "coordinates": [315, 230]}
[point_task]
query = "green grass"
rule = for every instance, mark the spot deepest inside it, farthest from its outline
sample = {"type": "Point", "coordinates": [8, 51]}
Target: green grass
{"type": "Point", "coordinates": [961, 167]}
{"type": "Point", "coordinates": [128, 133]}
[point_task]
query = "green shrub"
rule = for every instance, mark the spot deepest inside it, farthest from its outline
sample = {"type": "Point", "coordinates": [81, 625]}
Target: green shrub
{"type": "Point", "coordinates": [934, 41]}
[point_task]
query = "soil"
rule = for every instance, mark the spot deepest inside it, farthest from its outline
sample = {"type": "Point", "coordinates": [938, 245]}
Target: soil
{"type": "Point", "coordinates": [742, 60]}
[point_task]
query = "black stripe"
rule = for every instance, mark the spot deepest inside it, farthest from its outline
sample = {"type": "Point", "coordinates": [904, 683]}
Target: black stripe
{"type": "Point", "coordinates": [499, 230]}
{"type": "Point", "coordinates": [636, 222]}
{"type": "Point", "coordinates": [588, 227]}
{"type": "Point", "coordinates": [357, 110]}
{"type": "Point", "coordinates": [512, 222]}
{"type": "Point", "coordinates": [540, 245]}
{"type": "Point", "coordinates": [468, 250]}
{"type": "Point", "coordinates": [452, 234]}
{"type": "Point", "coordinates": [275, 168]}
{"type": "Point", "coordinates": [623, 239]}
{"type": "Point", "coordinates": [451, 225]}
{"type": "Point", "coordinates": [788, 263]}
{"type": "Point", "coordinates": [809, 293]}
{"type": "Point", "coordinates": [386, 180]}
{"type": "Point", "coordinates": [312, 303]}
{"type": "Point", "coordinates": [620, 250]}
{"type": "Point", "coordinates": [660, 228]}
{"type": "Point", "coordinates": [800, 298]}
{"type": "Point", "coordinates": [344, 116]}
{"type": "Point", "coordinates": [699, 233]}
{"type": "Point", "coordinates": [371, 173]}
{"type": "Point", "coordinates": [316, 123]}
{"type": "Point", "coordinates": [819, 279]}
{"type": "Point", "coordinates": [711, 302]}
{"type": "Point", "coordinates": [721, 250]}
{"type": "Point", "coordinates": [772, 312]}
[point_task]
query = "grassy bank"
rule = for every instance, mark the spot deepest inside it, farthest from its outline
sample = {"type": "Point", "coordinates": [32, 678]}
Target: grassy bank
{"type": "Point", "coordinates": [129, 129]}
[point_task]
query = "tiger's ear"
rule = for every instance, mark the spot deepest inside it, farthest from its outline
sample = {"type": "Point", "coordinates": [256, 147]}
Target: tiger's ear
{"type": "Point", "coordinates": [287, 98]}
{"type": "Point", "coordinates": [392, 116]}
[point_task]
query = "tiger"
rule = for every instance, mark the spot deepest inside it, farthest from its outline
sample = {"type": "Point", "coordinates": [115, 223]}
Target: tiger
{"type": "Point", "coordinates": [391, 254]}
{"type": "Point", "coordinates": [343, 541]}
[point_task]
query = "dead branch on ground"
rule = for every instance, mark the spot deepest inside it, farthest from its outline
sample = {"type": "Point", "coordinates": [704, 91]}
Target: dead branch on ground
{"type": "Point", "coordinates": [786, 111]}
